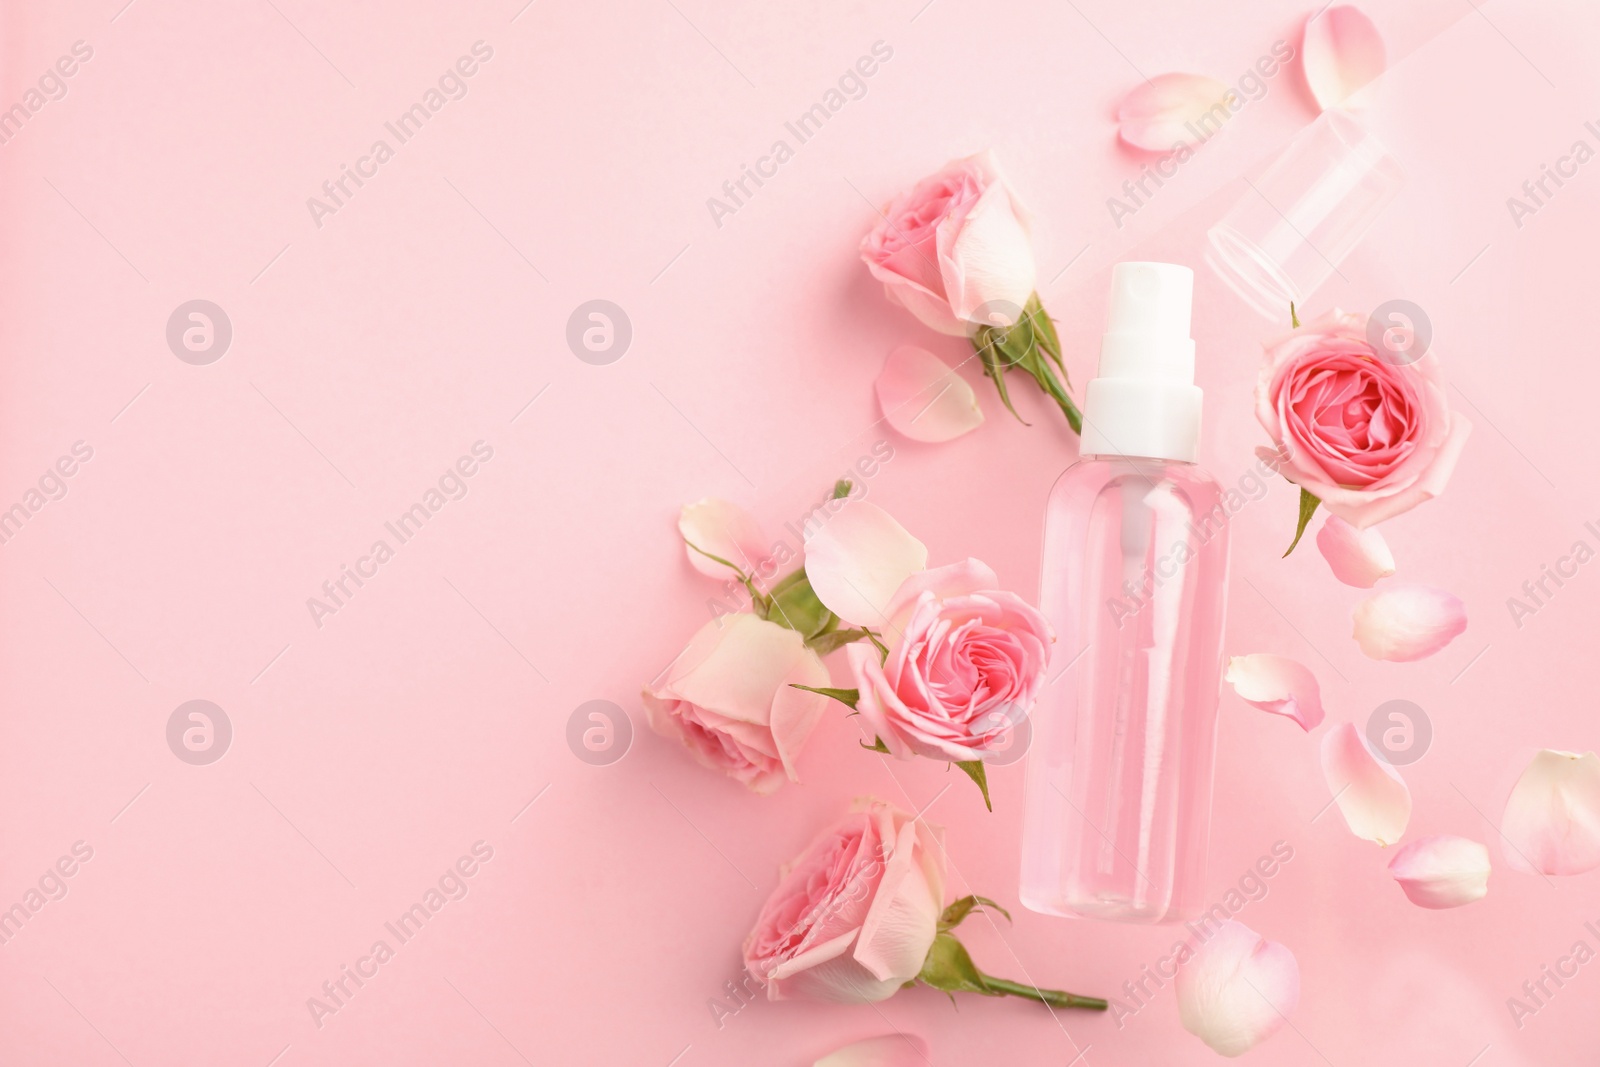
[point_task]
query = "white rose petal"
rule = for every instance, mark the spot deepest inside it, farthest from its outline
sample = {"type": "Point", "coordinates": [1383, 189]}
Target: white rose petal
{"type": "Point", "coordinates": [1442, 871]}
{"type": "Point", "coordinates": [1552, 819]}
{"type": "Point", "coordinates": [1237, 990]}
{"type": "Point", "coordinates": [1358, 557]}
{"type": "Point", "coordinates": [1371, 795]}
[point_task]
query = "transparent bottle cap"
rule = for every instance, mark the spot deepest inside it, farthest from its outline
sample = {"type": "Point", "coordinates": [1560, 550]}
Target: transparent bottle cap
{"type": "Point", "coordinates": [1295, 224]}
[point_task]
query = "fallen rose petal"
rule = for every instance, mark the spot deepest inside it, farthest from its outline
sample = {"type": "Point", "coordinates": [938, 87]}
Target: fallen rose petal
{"type": "Point", "coordinates": [858, 558]}
{"type": "Point", "coordinates": [1371, 795]}
{"type": "Point", "coordinates": [1279, 685]}
{"type": "Point", "coordinates": [1357, 557]}
{"type": "Point", "coordinates": [1552, 819]}
{"type": "Point", "coordinates": [924, 399]}
{"type": "Point", "coordinates": [724, 530]}
{"type": "Point", "coordinates": [1167, 111]}
{"type": "Point", "coordinates": [1342, 51]}
{"type": "Point", "coordinates": [1237, 990]}
{"type": "Point", "coordinates": [1442, 871]}
{"type": "Point", "coordinates": [1408, 622]}
{"type": "Point", "coordinates": [891, 1050]}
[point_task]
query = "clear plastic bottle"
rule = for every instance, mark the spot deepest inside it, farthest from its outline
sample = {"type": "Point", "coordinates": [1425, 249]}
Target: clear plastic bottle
{"type": "Point", "coordinates": [1118, 802]}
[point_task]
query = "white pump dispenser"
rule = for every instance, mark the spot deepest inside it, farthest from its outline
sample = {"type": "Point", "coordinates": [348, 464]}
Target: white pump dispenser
{"type": "Point", "coordinates": [1144, 401]}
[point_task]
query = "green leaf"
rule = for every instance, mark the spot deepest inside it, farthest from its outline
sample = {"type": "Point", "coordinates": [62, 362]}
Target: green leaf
{"type": "Point", "coordinates": [950, 968]}
{"type": "Point", "coordinates": [1035, 365]}
{"type": "Point", "coordinates": [793, 578]}
{"type": "Point", "coordinates": [1031, 345]}
{"type": "Point", "coordinates": [974, 770]}
{"type": "Point", "coordinates": [1308, 507]}
{"type": "Point", "coordinates": [847, 697]}
{"type": "Point", "coordinates": [833, 640]}
{"type": "Point", "coordinates": [1294, 317]}
{"type": "Point", "coordinates": [841, 488]}
{"type": "Point", "coordinates": [985, 344]}
{"type": "Point", "coordinates": [1044, 328]}
{"type": "Point", "coordinates": [794, 604]}
{"type": "Point", "coordinates": [959, 910]}
{"type": "Point", "coordinates": [876, 746]}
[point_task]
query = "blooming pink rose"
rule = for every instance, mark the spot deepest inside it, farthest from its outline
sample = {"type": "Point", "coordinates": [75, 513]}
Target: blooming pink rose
{"type": "Point", "coordinates": [729, 699]}
{"type": "Point", "coordinates": [956, 242]}
{"type": "Point", "coordinates": [853, 918]}
{"type": "Point", "coordinates": [1369, 438]}
{"type": "Point", "coordinates": [965, 667]}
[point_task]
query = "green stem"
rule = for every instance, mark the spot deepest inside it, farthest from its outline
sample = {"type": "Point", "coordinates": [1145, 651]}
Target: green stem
{"type": "Point", "coordinates": [1053, 997]}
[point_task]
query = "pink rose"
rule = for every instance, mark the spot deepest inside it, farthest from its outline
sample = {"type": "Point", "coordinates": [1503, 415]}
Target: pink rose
{"type": "Point", "coordinates": [965, 667]}
{"type": "Point", "coordinates": [1370, 439]}
{"type": "Point", "coordinates": [956, 242]}
{"type": "Point", "coordinates": [853, 918]}
{"type": "Point", "coordinates": [728, 698]}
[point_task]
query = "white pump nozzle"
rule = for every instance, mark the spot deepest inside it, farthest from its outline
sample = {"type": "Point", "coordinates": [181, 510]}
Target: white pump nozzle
{"type": "Point", "coordinates": [1144, 401]}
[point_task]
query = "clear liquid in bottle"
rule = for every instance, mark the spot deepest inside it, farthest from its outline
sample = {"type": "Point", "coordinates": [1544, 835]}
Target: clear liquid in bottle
{"type": "Point", "coordinates": [1117, 815]}
{"type": "Point", "coordinates": [1118, 803]}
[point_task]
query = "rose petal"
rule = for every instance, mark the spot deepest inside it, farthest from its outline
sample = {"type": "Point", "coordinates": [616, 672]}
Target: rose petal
{"type": "Point", "coordinates": [1278, 685]}
{"type": "Point", "coordinates": [924, 399]}
{"type": "Point", "coordinates": [986, 258]}
{"type": "Point", "coordinates": [1238, 989]}
{"type": "Point", "coordinates": [1408, 622]}
{"type": "Point", "coordinates": [1552, 820]}
{"type": "Point", "coordinates": [891, 1050]}
{"type": "Point", "coordinates": [722, 529]}
{"type": "Point", "coordinates": [1371, 795]}
{"type": "Point", "coordinates": [902, 921]}
{"type": "Point", "coordinates": [1358, 557]}
{"type": "Point", "coordinates": [1342, 51]}
{"type": "Point", "coordinates": [1442, 871]}
{"type": "Point", "coordinates": [952, 580]}
{"type": "Point", "coordinates": [1166, 111]}
{"type": "Point", "coordinates": [857, 559]}
{"type": "Point", "coordinates": [796, 712]}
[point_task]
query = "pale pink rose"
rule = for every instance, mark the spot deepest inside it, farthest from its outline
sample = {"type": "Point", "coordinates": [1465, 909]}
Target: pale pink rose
{"type": "Point", "coordinates": [854, 916]}
{"type": "Point", "coordinates": [1371, 795]}
{"type": "Point", "coordinates": [1442, 871]}
{"type": "Point", "coordinates": [955, 248]}
{"type": "Point", "coordinates": [1369, 438]}
{"type": "Point", "coordinates": [1408, 622]}
{"type": "Point", "coordinates": [1237, 990]}
{"type": "Point", "coordinates": [966, 663]}
{"type": "Point", "coordinates": [1552, 819]}
{"type": "Point", "coordinates": [729, 698]}
{"type": "Point", "coordinates": [1279, 685]}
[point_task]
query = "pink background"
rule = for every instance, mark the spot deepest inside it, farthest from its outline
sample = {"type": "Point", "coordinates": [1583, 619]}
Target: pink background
{"type": "Point", "coordinates": [368, 354]}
